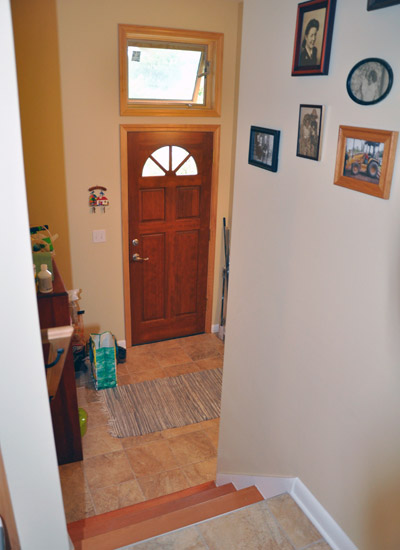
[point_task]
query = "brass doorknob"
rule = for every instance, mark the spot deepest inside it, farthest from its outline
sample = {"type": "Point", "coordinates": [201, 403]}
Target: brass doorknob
{"type": "Point", "coordinates": [137, 258]}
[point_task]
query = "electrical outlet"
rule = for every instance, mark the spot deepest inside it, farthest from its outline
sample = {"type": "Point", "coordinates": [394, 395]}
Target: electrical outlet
{"type": "Point", "coordinates": [99, 235]}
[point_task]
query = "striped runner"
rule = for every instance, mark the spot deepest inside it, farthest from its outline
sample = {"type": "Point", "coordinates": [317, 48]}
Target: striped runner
{"type": "Point", "coordinates": [155, 405]}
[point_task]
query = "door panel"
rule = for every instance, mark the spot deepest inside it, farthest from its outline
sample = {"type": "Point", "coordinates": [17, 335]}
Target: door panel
{"type": "Point", "coordinates": [186, 248]}
{"type": "Point", "coordinates": [152, 205]}
{"type": "Point", "coordinates": [188, 202]}
{"type": "Point", "coordinates": [153, 275]}
{"type": "Point", "coordinates": [169, 215]}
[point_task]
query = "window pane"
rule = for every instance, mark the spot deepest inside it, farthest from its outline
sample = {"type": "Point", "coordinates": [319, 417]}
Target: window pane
{"type": "Point", "coordinates": [200, 96]}
{"type": "Point", "coordinates": [162, 156]}
{"type": "Point", "coordinates": [188, 169]}
{"type": "Point", "coordinates": [178, 155]}
{"type": "Point", "coordinates": [150, 168]}
{"type": "Point", "coordinates": [163, 74]}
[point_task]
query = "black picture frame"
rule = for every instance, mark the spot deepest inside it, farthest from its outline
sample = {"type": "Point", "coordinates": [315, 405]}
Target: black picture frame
{"type": "Point", "coordinates": [369, 81]}
{"type": "Point", "coordinates": [313, 37]}
{"type": "Point", "coordinates": [309, 131]}
{"type": "Point", "coordinates": [264, 148]}
{"type": "Point", "coordinates": [378, 4]}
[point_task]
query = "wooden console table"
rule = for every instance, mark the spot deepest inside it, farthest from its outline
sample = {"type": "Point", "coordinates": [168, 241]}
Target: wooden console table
{"type": "Point", "coordinates": [54, 312]}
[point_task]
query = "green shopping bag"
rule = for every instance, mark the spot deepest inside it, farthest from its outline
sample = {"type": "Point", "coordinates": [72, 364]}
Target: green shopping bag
{"type": "Point", "coordinates": [103, 358]}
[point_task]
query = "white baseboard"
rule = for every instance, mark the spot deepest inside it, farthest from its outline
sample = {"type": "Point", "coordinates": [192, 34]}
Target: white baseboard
{"type": "Point", "coordinates": [214, 328]}
{"type": "Point", "coordinates": [121, 343]}
{"type": "Point", "coordinates": [324, 522]}
{"type": "Point", "coordinates": [270, 486]}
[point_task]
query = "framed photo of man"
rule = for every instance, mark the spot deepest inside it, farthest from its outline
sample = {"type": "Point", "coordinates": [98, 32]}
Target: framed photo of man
{"type": "Point", "coordinates": [313, 37]}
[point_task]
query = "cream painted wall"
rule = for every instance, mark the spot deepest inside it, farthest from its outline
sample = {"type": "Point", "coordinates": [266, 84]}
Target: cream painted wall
{"type": "Point", "coordinates": [88, 44]}
{"type": "Point", "coordinates": [36, 50]}
{"type": "Point", "coordinates": [27, 442]}
{"type": "Point", "coordinates": [312, 361]}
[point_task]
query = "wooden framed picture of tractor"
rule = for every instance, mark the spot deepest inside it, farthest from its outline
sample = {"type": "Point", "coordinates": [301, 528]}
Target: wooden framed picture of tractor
{"type": "Point", "coordinates": [365, 159]}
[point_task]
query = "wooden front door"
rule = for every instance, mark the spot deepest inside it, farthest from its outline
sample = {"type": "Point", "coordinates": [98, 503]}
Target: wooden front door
{"type": "Point", "coordinates": [169, 189]}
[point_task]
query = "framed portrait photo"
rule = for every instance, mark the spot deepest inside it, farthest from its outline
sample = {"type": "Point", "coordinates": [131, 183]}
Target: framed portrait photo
{"type": "Point", "coordinates": [264, 148]}
{"type": "Point", "coordinates": [309, 132]}
{"type": "Point", "coordinates": [313, 37]}
{"type": "Point", "coordinates": [369, 81]}
{"type": "Point", "coordinates": [365, 159]}
{"type": "Point", "coordinates": [377, 4]}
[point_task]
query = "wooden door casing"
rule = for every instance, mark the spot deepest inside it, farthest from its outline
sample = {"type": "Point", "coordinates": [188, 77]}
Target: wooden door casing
{"type": "Point", "coordinates": [170, 216]}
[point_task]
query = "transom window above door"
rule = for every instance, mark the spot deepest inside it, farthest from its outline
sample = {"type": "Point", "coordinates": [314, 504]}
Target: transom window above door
{"type": "Point", "coordinates": [169, 71]}
{"type": "Point", "coordinates": [170, 158]}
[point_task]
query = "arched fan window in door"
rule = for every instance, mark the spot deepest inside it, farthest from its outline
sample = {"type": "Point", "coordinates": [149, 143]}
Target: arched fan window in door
{"type": "Point", "coordinates": [170, 159]}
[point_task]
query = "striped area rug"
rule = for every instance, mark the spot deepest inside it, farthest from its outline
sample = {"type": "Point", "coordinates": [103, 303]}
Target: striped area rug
{"type": "Point", "coordinates": [155, 405]}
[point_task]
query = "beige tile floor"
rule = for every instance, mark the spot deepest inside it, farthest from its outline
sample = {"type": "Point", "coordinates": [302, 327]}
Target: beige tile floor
{"type": "Point", "coordinates": [273, 524]}
{"type": "Point", "coordinates": [119, 472]}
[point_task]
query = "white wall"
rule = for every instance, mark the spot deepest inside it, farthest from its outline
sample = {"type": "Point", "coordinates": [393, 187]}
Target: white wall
{"type": "Point", "coordinates": [312, 369]}
{"type": "Point", "coordinates": [27, 442]}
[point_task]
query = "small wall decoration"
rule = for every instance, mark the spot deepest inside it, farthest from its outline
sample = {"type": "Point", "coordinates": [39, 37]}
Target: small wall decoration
{"type": "Point", "coordinates": [312, 43]}
{"type": "Point", "coordinates": [98, 200]}
{"type": "Point", "coordinates": [377, 4]}
{"type": "Point", "coordinates": [264, 147]}
{"type": "Point", "coordinates": [309, 132]}
{"type": "Point", "coordinates": [365, 159]}
{"type": "Point", "coordinates": [369, 81]}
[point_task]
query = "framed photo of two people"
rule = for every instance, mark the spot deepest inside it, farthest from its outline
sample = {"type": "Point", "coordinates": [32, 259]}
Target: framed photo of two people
{"type": "Point", "coordinates": [312, 43]}
{"type": "Point", "coordinates": [264, 148]}
{"type": "Point", "coordinates": [309, 132]}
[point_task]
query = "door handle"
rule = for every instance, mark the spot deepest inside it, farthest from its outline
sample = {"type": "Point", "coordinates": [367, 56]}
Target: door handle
{"type": "Point", "coordinates": [137, 258]}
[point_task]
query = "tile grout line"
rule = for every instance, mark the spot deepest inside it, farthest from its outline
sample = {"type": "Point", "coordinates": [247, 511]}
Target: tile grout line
{"type": "Point", "coordinates": [280, 527]}
{"type": "Point", "coordinates": [313, 544]}
{"type": "Point", "coordinates": [89, 490]}
{"type": "Point", "coordinates": [201, 537]}
{"type": "Point", "coordinates": [134, 475]}
{"type": "Point", "coordinates": [308, 546]}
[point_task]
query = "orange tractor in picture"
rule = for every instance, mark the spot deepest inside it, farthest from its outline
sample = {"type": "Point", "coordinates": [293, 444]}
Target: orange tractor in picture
{"type": "Point", "coordinates": [366, 162]}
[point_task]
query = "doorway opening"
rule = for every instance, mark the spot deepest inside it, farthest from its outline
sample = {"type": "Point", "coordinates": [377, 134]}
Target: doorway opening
{"type": "Point", "coordinates": [116, 473]}
{"type": "Point", "coordinates": [169, 198]}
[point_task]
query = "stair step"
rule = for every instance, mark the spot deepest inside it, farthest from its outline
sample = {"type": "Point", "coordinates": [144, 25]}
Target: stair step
{"type": "Point", "coordinates": [116, 519]}
{"type": "Point", "coordinates": [166, 521]}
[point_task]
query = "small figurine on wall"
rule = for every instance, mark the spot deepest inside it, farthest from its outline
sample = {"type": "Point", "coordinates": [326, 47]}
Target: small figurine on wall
{"type": "Point", "coordinates": [99, 201]}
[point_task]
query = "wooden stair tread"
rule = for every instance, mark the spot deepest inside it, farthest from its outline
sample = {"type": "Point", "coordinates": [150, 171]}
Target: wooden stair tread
{"type": "Point", "coordinates": [145, 510]}
{"type": "Point", "coordinates": [170, 521]}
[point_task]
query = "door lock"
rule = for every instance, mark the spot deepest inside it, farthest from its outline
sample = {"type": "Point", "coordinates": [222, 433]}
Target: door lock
{"type": "Point", "coordinates": [135, 242]}
{"type": "Point", "coordinates": [137, 258]}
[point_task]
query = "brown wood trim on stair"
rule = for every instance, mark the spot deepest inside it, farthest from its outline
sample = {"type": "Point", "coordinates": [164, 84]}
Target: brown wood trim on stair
{"type": "Point", "coordinates": [177, 518]}
{"type": "Point", "coordinates": [102, 523]}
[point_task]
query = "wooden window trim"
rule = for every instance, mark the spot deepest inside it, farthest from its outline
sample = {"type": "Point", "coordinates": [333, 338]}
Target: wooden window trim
{"type": "Point", "coordinates": [214, 43]}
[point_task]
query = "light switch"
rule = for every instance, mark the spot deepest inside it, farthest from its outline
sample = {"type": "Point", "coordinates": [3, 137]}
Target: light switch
{"type": "Point", "coordinates": [99, 235]}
